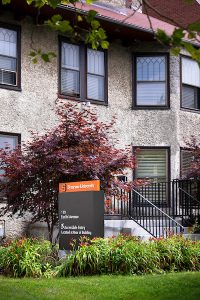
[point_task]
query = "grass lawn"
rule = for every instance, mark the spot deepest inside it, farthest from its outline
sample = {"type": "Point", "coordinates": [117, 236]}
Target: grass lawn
{"type": "Point", "coordinates": [180, 286]}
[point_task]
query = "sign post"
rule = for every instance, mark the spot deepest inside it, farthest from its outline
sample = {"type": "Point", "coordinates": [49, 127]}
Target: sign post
{"type": "Point", "coordinates": [81, 211]}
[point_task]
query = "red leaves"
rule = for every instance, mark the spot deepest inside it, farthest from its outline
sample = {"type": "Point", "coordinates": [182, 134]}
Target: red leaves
{"type": "Point", "coordinates": [78, 148]}
{"type": "Point", "coordinates": [194, 147]}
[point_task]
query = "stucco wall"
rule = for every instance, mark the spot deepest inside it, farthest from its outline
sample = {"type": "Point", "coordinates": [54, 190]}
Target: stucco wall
{"type": "Point", "coordinates": [32, 108]}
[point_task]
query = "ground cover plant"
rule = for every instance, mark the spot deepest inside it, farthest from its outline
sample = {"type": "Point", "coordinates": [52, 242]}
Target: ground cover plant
{"type": "Point", "coordinates": [179, 286]}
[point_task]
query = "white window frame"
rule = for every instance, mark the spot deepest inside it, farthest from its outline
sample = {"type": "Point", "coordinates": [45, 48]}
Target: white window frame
{"type": "Point", "coordinates": [17, 57]}
{"type": "Point", "coordinates": [190, 81]}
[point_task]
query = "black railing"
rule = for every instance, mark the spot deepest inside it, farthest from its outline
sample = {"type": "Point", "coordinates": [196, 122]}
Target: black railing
{"type": "Point", "coordinates": [157, 193]}
{"type": "Point", "coordinates": [185, 200]}
{"type": "Point", "coordinates": [190, 208]}
{"type": "Point", "coordinates": [160, 208]}
{"type": "Point", "coordinates": [152, 218]}
{"type": "Point", "coordinates": [118, 206]}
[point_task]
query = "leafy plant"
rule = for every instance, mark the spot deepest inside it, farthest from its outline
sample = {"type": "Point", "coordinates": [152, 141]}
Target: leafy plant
{"type": "Point", "coordinates": [92, 33]}
{"type": "Point", "coordinates": [27, 257]}
{"type": "Point", "coordinates": [196, 226]}
{"type": "Point", "coordinates": [129, 255]}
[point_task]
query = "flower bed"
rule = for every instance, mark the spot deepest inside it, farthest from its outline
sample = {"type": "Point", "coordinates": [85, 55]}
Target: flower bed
{"type": "Point", "coordinates": [129, 255]}
{"type": "Point", "coordinates": [28, 257]}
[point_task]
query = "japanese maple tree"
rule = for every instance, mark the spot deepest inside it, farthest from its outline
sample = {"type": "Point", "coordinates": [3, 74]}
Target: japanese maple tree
{"type": "Point", "coordinates": [194, 170]}
{"type": "Point", "coordinates": [77, 148]}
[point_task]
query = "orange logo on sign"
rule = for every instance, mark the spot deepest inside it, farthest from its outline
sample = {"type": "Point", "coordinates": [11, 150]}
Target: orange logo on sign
{"type": "Point", "coordinates": [81, 186]}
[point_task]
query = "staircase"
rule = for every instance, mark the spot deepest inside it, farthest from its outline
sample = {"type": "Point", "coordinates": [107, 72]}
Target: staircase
{"type": "Point", "coordinates": [160, 208]}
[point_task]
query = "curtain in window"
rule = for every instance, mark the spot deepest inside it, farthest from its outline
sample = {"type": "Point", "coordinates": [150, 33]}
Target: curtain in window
{"type": "Point", "coordinates": [151, 93]}
{"type": "Point", "coordinates": [191, 84]}
{"type": "Point", "coordinates": [152, 164]}
{"type": "Point", "coordinates": [8, 141]}
{"type": "Point", "coordinates": [95, 74]}
{"type": "Point", "coordinates": [8, 56]}
{"type": "Point", "coordinates": [186, 159]}
{"type": "Point", "coordinates": [70, 72]}
{"type": "Point", "coordinates": [151, 80]}
{"type": "Point", "coordinates": [189, 97]}
{"type": "Point", "coordinates": [190, 72]}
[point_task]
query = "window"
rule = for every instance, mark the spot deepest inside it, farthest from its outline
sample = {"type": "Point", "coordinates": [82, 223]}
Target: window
{"type": "Point", "coordinates": [151, 81]}
{"type": "Point", "coordinates": [9, 58]}
{"type": "Point", "coordinates": [95, 74]}
{"type": "Point", "coordinates": [152, 164]}
{"type": "Point", "coordinates": [70, 70]}
{"type": "Point", "coordinates": [9, 141]}
{"type": "Point", "coordinates": [186, 159]}
{"type": "Point", "coordinates": [190, 84]}
{"type": "Point", "coordinates": [83, 73]}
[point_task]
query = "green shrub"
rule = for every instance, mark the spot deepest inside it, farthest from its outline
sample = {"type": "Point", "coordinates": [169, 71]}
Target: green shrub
{"type": "Point", "coordinates": [119, 255]}
{"type": "Point", "coordinates": [178, 254]}
{"type": "Point", "coordinates": [27, 257]}
{"type": "Point", "coordinates": [129, 255]}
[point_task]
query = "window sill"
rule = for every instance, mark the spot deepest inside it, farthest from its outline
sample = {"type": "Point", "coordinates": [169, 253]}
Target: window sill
{"type": "Point", "coordinates": [197, 111]}
{"type": "Point", "coordinates": [11, 87]}
{"type": "Point", "coordinates": [97, 102]}
{"type": "Point", "coordinates": [150, 107]}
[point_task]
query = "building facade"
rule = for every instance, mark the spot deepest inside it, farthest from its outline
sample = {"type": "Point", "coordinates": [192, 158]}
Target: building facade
{"type": "Point", "coordinates": [154, 95]}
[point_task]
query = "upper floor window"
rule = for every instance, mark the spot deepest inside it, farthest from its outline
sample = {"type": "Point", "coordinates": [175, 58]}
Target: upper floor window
{"type": "Point", "coordinates": [9, 58]}
{"type": "Point", "coordinates": [190, 84]}
{"type": "Point", "coordinates": [83, 73]}
{"type": "Point", "coordinates": [151, 81]}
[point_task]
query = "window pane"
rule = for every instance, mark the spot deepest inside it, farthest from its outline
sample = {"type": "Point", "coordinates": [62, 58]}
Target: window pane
{"type": "Point", "coordinates": [95, 62]}
{"type": "Point", "coordinates": [190, 97]}
{"type": "Point", "coordinates": [152, 164]}
{"type": "Point", "coordinates": [7, 77]}
{"type": "Point", "coordinates": [151, 68]}
{"type": "Point", "coordinates": [70, 82]}
{"type": "Point", "coordinates": [95, 87]}
{"type": "Point", "coordinates": [151, 94]}
{"type": "Point", "coordinates": [8, 141]}
{"type": "Point", "coordinates": [70, 56]}
{"type": "Point", "coordinates": [190, 72]}
{"type": "Point", "coordinates": [8, 42]}
{"type": "Point", "coordinates": [7, 63]}
{"type": "Point", "coordinates": [186, 159]}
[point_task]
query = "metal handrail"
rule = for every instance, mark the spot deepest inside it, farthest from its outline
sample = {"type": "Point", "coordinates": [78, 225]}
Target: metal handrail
{"type": "Point", "coordinates": [158, 209]}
